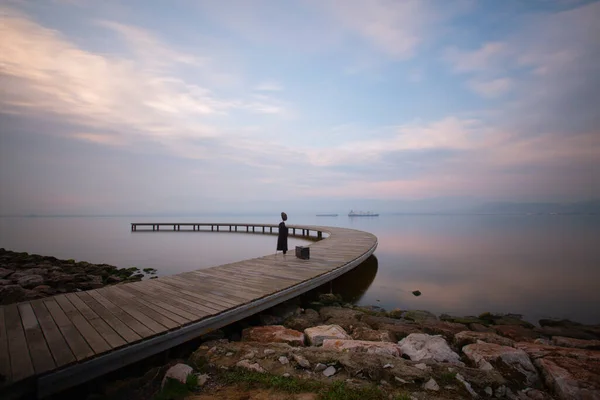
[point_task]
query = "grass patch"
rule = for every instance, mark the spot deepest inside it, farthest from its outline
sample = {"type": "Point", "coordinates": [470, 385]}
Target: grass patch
{"type": "Point", "coordinates": [447, 378]}
{"type": "Point", "coordinates": [338, 390]}
{"type": "Point", "coordinates": [175, 390]}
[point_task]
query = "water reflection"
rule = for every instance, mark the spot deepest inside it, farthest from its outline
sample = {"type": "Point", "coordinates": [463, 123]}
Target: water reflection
{"type": "Point", "coordinates": [353, 284]}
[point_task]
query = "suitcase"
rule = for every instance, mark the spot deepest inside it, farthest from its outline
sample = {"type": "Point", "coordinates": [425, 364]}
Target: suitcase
{"type": "Point", "coordinates": [303, 252]}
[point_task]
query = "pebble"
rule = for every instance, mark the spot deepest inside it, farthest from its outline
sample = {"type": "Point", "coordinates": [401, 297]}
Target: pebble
{"type": "Point", "coordinates": [320, 367]}
{"type": "Point", "coordinates": [249, 356]}
{"type": "Point", "coordinates": [286, 375]}
{"type": "Point", "coordinates": [329, 371]}
{"type": "Point", "coordinates": [386, 366]}
{"type": "Point", "coordinates": [488, 390]}
{"type": "Point", "coordinates": [421, 366]}
{"type": "Point", "coordinates": [229, 354]}
{"type": "Point", "coordinates": [268, 351]}
{"type": "Point", "coordinates": [431, 384]}
{"type": "Point", "coordinates": [284, 360]}
{"type": "Point", "coordinates": [202, 379]}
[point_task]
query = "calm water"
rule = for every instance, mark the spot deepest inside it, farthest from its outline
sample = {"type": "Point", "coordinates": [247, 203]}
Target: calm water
{"type": "Point", "coordinates": [538, 266]}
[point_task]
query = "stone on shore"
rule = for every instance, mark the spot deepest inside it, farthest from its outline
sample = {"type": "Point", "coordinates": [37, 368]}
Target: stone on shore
{"type": "Point", "coordinates": [178, 372]}
{"type": "Point", "coordinates": [518, 333]}
{"type": "Point", "coordinates": [12, 294]}
{"type": "Point", "coordinates": [316, 335]}
{"type": "Point", "coordinates": [431, 384]}
{"type": "Point", "coordinates": [467, 337]}
{"type": "Point", "coordinates": [30, 281]}
{"type": "Point", "coordinates": [446, 329]}
{"type": "Point", "coordinates": [421, 346]}
{"type": "Point", "coordinates": [4, 272]}
{"type": "Point", "coordinates": [420, 316]}
{"type": "Point", "coordinates": [304, 320]}
{"type": "Point", "coordinates": [347, 318]}
{"type": "Point", "coordinates": [249, 366]}
{"type": "Point", "coordinates": [372, 335]}
{"type": "Point", "coordinates": [513, 363]}
{"type": "Point", "coordinates": [576, 343]}
{"type": "Point", "coordinates": [273, 334]}
{"type": "Point", "coordinates": [363, 346]}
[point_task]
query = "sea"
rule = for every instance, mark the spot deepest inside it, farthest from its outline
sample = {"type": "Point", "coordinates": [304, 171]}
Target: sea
{"type": "Point", "coordinates": [539, 266]}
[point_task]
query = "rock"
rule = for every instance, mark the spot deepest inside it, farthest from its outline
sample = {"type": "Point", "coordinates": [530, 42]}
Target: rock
{"type": "Point", "coordinates": [466, 337]}
{"type": "Point", "coordinates": [572, 373]}
{"type": "Point", "coordinates": [320, 367]}
{"type": "Point", "coordinates": [347, 318]}
{"type": "Point", "coordinates": [500, 391]}
{"type": "Point", "coordinates": [558, 322]}
{"type": "Point", "coordinates": [266, 352]}
{"type": "Point", "coordinates": [5, 272]}
{"type": "Point", "coordinates": [318, 334]}
{"type": "Point", "coordinates": [329, 371]}
{"type": "Point", "coordinates": [571, 378]}
{"type": "Point", "coordinates": [363, 346]}
{"type": "Point", "coordinates": [268, 319]}
{"type": "Point", "coordinates": [578, 343]}
{"type": "Point", "coordinates": [305, 320]}
{"type": "Point", "coordinates": [416, 292]}
{"type": "Point", "coordinates": [400, 380]}
{"type": "Point", "coordinates": [202, 379]}
{"type": "Point", "coordinates": [421, 366]}
{"type": "Point", "coordinates": [446, 329]}
{"type": "Point", "coordinates": [179, 372]}
{"type": "Point", "coordinates": [30, 281]}
{"type": "Point", "coordinates": [395, 313]}
{"type": "Point", "coordinates": [303, 362]}
{"type": "Point", "coordinates": [274, 333]}
{"type": "Point", "coordinates": [386, 366]}
{"type": "Point", "coordinates": [286, 375]}
{"type": "Point", "coordinates": [4, 282]}
{"type": "Point", "coordinates": [480, 328]}
{"type": "Point", "coordinates": [420, 346]}
{"type": "Point", "coordinates": [431, 384]}
{"type": "Point", "coordinates": [505, 319]}
{"type": "Point", "coordinates": [362, 333]}
{"type": "Point", "coordinates": [399, 331]}
{"type": "Point", "coordinates": [512, 363]}
{"type": "Point", "coordinates": [249, 356]}
{"type": "Point", "coordinates": [12, 294]}
{"type": "Point", "coordinates": [468, 387]}
{"type": "Point", "coordinates": [229, 354]}
{"type": "Point", "coordinates": [488, 391]}
{"type": "Point", "coordinates": [575, 332]}
{"type": "Point", "coordinates": [249, 366]}
{"type": "Point", "coordinates": [420, 316]}
{"type": "Point", "coordinates": [113, 279]}
{"type": "Point", "coordinates": [284, 360]}
{"type": "Point", "coordinates": [44, 289]}
{"type": "Point", "coordinates": [330, 298]}
{"type": "Point", "coordinates": [517, 333]}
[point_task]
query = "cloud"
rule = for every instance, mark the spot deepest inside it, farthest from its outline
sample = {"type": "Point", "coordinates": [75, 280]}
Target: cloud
{"type": "Point", "coordinates": [491, 88]}
{"type": "Point", "coordinates": [490, 56]}
{"type": "Point", "coordinates": [269, 86]}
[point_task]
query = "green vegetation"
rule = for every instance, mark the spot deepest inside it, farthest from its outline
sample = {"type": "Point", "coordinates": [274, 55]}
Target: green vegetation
{"type": "Point", "coordinates": [71, 261]}
{"type": "Point", "coordinates": [338, 390]}
{"type": "Point", "coordinates": [447, 378]}
{"type": "Point", "coordinates": [149, 270]}
{"type": "Point", "coordinates": [175, 390]}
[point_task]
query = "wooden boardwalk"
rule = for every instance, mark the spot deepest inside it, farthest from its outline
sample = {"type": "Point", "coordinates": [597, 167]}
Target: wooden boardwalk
{"type": "Point", "coordinates": [50, 344]}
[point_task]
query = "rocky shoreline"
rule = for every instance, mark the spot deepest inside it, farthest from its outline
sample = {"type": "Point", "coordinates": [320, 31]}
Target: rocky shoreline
{"type": "Point", "coordinates": [338, 351]}
{"type": "Point", "coordinates": [26, 276]}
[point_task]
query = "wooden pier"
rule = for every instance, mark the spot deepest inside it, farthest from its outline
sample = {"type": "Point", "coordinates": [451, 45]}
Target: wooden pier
{"type": "Point", "coordinates": [54, 343]}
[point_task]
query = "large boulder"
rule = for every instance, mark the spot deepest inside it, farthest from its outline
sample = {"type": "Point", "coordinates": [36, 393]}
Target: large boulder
{"type": "Point", "coordinates": [304, 320]}
{"type": "Point", "coordinates": [30, 281]}
{"type": "Point", "coordinates": [420, 316]}
{"type": "Point", "coordinates": [514, 364]}
{"type": "Point", "coordinates": [576, 332]}
{"type": "Point", "coordinates": [363, 346]}
{"type": "Point", "coordinates": [518, 333]}
{"type": "Point", "coordinates": [178, 372]}
{"type": "Point", "coordinates": [467, 337]}
{"type": "Point", "coordinates": [421, 346]}
{"type": "Point", "coordinates": [316, 335]}
{"type": "Point", "coordinates": [347, 318]}
{"type": "Point", "coordinates": [273, 333]}
{"type": "Point", "coordinates": [372, 335]}
{"type": "Point", "coordinates": [12, 294]}
{"type": "Point", "coordinates": [446, 329]}
{"type": "Point", "coordinates": [4, 272]}
{"type": "Point", "coordinates": [577, 343]}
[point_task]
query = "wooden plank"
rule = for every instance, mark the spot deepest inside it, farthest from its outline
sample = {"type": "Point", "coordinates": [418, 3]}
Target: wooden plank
{"type": "Point", "coordinates": [221, 287]}
{"type": "Point", "coordinates": [108, 334]}
{"type": "Point", "coordinates": [167, 304]}
{"type": "Point", "coordinates": [61, 352]}
{"type": "Point", "coordinates": [20, 361]}
{"type": "Point", "coordinates": [159, 306]}
{"type": "Point", "coordinates": [4, 354]}
{"type": "Point", "coordinates": [137, 326]}
{"type": "Point", "coordinates": [229, 280]}
{"type": "Point", "coordinates": [76, 342]}
{"type": "Point", "coordinates": [181, 299]}
{"type": "Point", "coordinates": [91, 336]}
{"type": "Point", "coordinates": [183, 286]}
{"type": "Point", "coordinates": [207, 306]}
{"type": "Point", "coordinates": [149, 311]}
{"type": "Point", "coordinates": [111, 319]}
{"type": "Point", "coordinates": [132, 310]}
{"type": "Point", "coordinates": [38, 348]}
{"type": "Point", "coordinates": [200, 285]}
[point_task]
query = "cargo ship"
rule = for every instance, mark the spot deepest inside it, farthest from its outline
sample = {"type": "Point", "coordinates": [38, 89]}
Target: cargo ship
{"type": "Point", "coordinates": [353, 213]}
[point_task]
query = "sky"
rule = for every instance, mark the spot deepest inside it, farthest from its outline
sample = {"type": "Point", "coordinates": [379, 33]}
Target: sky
{"type": "Point", "coordinates": [147, 106]}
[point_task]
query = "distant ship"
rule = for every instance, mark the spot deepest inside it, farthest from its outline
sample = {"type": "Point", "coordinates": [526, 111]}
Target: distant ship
{"type": "Point", "coordinates": [353, 213]}
{"type": "Point", "coordinates": [327, 215]}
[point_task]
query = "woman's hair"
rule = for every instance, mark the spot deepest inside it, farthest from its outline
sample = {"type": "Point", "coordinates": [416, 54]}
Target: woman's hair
{"type": "Point", "coordinates": [284, 216]}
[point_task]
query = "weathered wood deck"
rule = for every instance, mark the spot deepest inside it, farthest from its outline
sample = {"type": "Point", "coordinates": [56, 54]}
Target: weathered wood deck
{"type": "Point", "coordinates": [50, 344]}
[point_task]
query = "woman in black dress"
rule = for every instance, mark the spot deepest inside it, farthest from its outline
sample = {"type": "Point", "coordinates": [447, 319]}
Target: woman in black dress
{"type": "Point", "coordinates": [283, 235]}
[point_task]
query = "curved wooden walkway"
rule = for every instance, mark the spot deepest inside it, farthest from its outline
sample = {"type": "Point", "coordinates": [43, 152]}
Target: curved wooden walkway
{"type": "Point", "coordinates": [50, 344]}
